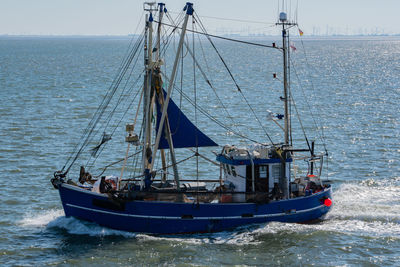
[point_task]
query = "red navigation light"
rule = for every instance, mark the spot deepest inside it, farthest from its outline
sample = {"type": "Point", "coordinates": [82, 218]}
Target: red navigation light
{"type": "Point", "coordinates": [328, 202]}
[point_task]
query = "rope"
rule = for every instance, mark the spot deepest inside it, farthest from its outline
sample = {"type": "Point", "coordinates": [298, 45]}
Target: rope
{"type": "Point", "coordinates": [322, 135]}
{"type": "Point", "coordinates": [116, 162]}
{"type": "Point", "coordinates": [301, 123]}
{"type": "Point", "coordinates": [86, 137]}
{"type": "Point", "coordinates": [204, 157]}
{"type": "Point", "coordinates": [236, 20]}
{"type": "Point", "coordinates": [206, 79]}
{"type": "Point", "coordinates": [134, 124]}
{"type": "Point", "coordinates": [236, 84]}
{"type": "Point", "coordinates": [221, 37]}
{"type": "Point", "coordinates": [211, 86]}
{"type": "Point", "coordinates": [205, 113]}
{"type": "Point", "coordinates": [119, 122]}
{"type": "Point", "coordinates": [160, 169]}
{"type": "Point", "coordinates": [195, 98]}
{"type": "Point", "coordinates": [308, 105]}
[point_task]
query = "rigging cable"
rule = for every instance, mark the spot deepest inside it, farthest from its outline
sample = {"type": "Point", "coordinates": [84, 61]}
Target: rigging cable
{"type": "Point", "coordinates": [116, 162]}
{"type": "Point", "coordinates": [195, 109]}
{"type": "Point", "coordinates": [205, 78]}
{"type": "Point", "coordinates": [119, 122]}
{"type": "Point", "coordinates": [160, 169]}
{"type": "Point", "coordinates": [211, 86]}
{"type": "Point", "coordinates": [134, 124]}
{"type": "Point", "coordinates": [221, 37]}
{"type": "Point", "coordinates": [236, 20]}
{"type": "Point", "coordinates": [309, 107]}
{"type": "Point", "coordinates": [237, 86]}
{"type": "Point", "coordinates": [123, 90]}
{"type": "Point", "coordinates": [208, 115]}
{"type": "Point", "coordinates": [322, 134]}
{"type": "Point", "coordinates": [116, 105]}
{"type": "Point", "coordinates": [300, 121]}
{"type": "Point", "coordinates": [99, 112]}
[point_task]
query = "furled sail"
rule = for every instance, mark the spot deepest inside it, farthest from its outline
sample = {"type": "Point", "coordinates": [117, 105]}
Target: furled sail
{"type": "Point", "coordinates": [184, 133]}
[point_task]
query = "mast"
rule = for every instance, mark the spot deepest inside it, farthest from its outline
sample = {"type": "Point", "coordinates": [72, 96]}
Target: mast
{"type": "Point", "coordinates": [285, 48]}
{"type": "Point", "coordinates": [158, 47]}
{"type": "Point", "coordinates": [189, 12]}
{"type": "Point", "coordinates": [159, 91]}
{"type": "Point", "coordinates": [160, 17]}
{"type": "Point", "coordinates": [284, 180]}
{"type": "Point", "coordinates": [147, 96]}
{"type": "Point", "coordinates": [285, 84]}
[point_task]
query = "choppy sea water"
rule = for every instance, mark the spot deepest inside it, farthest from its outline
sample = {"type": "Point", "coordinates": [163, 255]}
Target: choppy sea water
{"type": "Point", "coordinates": [50, 87]}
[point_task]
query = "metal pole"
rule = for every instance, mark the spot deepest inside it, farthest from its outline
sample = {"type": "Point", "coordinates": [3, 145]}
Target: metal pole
{"type": "Point", "coordinates": [189, 11]}
{"type": "Point", "coordinates": [285, 84]}
{"type": "Point", "coordinates": [312, 157]}
{"type": "Point", "coordinates": [145, 93]}
{"type": "Point", "coordinates": [284, 180]}
{"type": "Point", "coordinates": [147, 160]}
{"type": "Point", "coordinates": [160, 17]}
{"type": "Point", "coordinates": [158, 47]}
{"type": "Point", "coordinates": [253, 187]}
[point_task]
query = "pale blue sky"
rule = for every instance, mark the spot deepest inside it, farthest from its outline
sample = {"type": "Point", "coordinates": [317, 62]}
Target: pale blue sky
{"type": "Point", "coordinates": [120, 17]}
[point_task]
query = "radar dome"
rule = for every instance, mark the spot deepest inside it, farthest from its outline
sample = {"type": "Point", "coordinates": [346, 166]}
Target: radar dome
{"type": "Point", "coordinates": [282, 16]}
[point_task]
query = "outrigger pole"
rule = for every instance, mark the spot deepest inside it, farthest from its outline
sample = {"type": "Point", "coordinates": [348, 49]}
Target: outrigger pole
{"type": "Point", "coordinates": [158, 90]}
{"type": "Point", "coordinates": [158, 47]}
{"type": "Point", "coordinates": [189, 11]}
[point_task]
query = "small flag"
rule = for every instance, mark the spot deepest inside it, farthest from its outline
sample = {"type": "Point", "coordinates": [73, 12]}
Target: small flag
{"type": "Point", "coordinates": [293, 47]}
{"type": "Point", "coordinates": [301, 32]}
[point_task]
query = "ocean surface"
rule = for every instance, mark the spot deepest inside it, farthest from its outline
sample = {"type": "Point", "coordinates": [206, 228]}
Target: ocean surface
{"type": "Point", "coordinates": [50, 88]}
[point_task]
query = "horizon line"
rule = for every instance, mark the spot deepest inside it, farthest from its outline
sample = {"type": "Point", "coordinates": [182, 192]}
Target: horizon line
{"type": "Point", "coordinates": [237, 35]}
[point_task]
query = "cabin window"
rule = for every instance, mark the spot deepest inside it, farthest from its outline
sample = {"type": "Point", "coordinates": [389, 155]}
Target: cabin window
{"type": "Point", "coordinates": [233, 170]}
{"type": "Point", "coordinates": [276, 172]}
{"type": "Point", "coordinates": [263, 171]}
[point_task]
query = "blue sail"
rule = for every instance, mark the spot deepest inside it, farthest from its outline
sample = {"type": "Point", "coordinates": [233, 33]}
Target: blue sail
{"type": "Point", "coordinates": [184, 132]}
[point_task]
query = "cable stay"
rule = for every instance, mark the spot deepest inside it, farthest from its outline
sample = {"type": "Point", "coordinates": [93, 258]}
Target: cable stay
{"type": "Point", "coordinates": [120, 120]}
{"type": "Point", "coordinates": [309, 107]}
{"type": "Point", "coordinates": [205, 78]}
{"type": "Point", "coordinates": [221, 37]}
{"type": "Point", "coordinates": [87, 134]}
{"type": "Point", "coordinates": [231, 19]}
{"type": "Point", "coordinates": [236, 84]}
{"type": "Point", "coordinates": [322, 135]}
{"type": "Point", "coordinates": [212, 118]}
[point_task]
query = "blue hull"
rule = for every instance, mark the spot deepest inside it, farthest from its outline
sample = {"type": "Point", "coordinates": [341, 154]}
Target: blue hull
{"type": "Point", "coordinates": [171, 218]}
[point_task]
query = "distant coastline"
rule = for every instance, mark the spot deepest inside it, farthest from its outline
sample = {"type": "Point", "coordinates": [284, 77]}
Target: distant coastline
{"type": "Point", "coordinates": [235, 36]}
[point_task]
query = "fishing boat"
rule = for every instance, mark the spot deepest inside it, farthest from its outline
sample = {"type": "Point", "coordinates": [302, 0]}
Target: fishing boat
{"type": "Point", "coordinates": [252, 184]}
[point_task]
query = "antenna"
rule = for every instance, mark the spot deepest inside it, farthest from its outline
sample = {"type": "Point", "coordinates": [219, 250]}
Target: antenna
{"type": "Point", "coordinates": [150, 6]}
